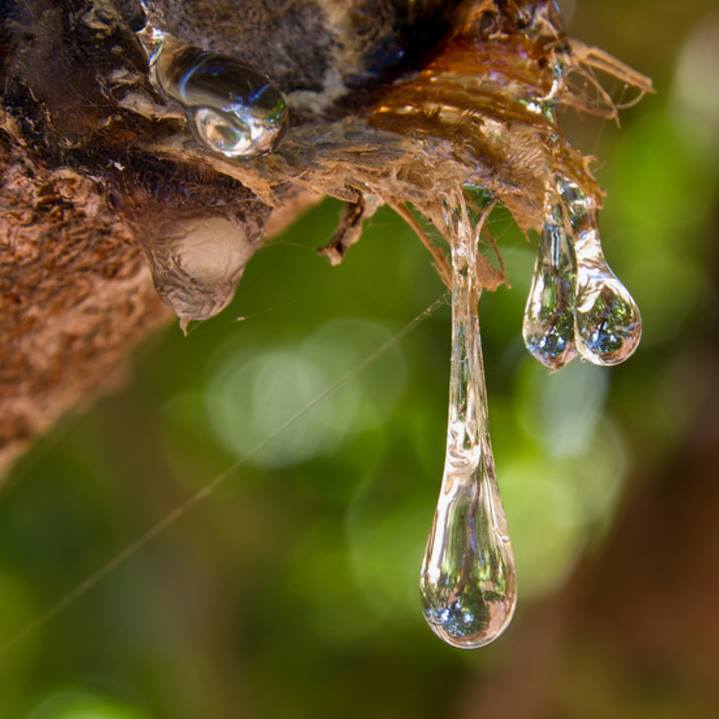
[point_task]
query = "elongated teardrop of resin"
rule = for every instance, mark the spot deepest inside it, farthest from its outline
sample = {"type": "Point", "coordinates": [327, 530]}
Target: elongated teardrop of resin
{"type": "Point", "coordinates": [608, 325]}
{"type": "Point", "coordinates": [548, 328]}
{"type": "Point", "coordinates": [467, 582]}
{"type": "Point", "coordinates": [231, 108]}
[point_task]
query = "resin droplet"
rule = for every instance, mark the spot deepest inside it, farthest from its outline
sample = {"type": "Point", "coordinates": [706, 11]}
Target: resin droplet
{"type": "Point", "coordinates": [468, 580]}
{"type": "Point", "coordinates": [608, 325]}
{"type": "Point", "coordinates": [197, 263]}
{"type": "Point", "coordinates": [548, 328]}
{"type": "Point", "coordinates": [231, 108]}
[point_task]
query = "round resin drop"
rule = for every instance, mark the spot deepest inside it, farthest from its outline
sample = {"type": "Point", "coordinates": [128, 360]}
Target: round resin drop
{"type": "Point", "coordinates": [467, 580]}
{"type": "Point", "coordinates": [608, 324]}
{"type": "Point", "coordinates": [231, 108]}
{"type": "Point", "coordinates": [548, 328]}
{"type": "Point", "coordinates": [197, 263]}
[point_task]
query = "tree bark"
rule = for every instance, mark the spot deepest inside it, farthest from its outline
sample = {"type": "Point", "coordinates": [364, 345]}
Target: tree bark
{"type": "Point", "coordinates": [388, 103]}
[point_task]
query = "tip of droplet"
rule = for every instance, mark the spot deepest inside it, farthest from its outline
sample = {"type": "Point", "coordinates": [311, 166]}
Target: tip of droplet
{"type": "Point", "coordinates": [463, 627]}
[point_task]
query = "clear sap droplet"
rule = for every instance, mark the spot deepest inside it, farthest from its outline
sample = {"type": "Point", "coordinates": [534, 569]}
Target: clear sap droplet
{"type": "Point", "coordinates": [608, 322]}
{"type": "Point", "coordinates": [216, 130]}
{"type": "Point", "coordinates": [467, 581]}
{"type": "Point", "coordinates": [232, 109]}
{"type": "Point", "coordinates": [197, 263]}
{"type": "Point", "coordinates": [608, 325]}
{"type": "Point", "coordinates": [548, 328]}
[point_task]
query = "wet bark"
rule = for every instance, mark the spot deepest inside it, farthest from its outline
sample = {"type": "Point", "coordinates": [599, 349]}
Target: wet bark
{"type": "Point", "coordinates": [79, 189]}
{"type": "Point", "coordinates": [388, 104]}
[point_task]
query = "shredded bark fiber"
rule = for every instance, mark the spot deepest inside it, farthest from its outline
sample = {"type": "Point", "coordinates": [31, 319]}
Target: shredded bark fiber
{"type": "Point", "coordinates": [391, 101]}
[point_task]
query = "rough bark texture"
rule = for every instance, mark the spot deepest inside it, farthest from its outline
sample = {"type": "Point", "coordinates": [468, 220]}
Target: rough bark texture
{"type": "Point", "coordinates": [94, 161]}
{"type": "Point", "coordinates": [76, 194]}
{"type": "Point", "coordinates": [76, 294]}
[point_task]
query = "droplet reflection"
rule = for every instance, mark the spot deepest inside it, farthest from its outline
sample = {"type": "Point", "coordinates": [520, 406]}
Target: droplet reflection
{"type": "Point", "coordinates": [467, 581]}
{"type": "Point", "coordinates": [548, 327]}
{"type": "Point", "coordinates": [197, 263]}
{"type": "Point", "coordinates": [608, 324]}
{"type": "Point", "coordinates": [233, 109]}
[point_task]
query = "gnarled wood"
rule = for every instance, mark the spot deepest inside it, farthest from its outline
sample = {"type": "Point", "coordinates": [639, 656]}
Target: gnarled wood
{"type": "Point", "coordinates": [390, 99]}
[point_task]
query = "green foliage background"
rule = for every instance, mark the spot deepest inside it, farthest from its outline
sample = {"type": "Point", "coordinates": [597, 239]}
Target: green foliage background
{"type": "Point", "coordinates": [291, 592]}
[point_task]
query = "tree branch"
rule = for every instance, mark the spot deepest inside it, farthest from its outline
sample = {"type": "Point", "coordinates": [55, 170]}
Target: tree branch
{"type": "Point", "coordinates": [393, 101]}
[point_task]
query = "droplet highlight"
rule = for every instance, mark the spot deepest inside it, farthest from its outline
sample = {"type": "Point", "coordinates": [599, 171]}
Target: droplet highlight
{"type": "Point", "coordinates": [548, 328]}
{"type": "Point", "coordinates": [608, 325]}
{"type": "Point", "coordinates": [231, 108]}
{"type": "Point", "coordinates": [468, 580]}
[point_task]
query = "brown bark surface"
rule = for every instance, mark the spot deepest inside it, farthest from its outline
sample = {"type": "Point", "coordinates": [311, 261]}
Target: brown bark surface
{"type": "Point", "coordinates": [76, 295]}
{"type": "Point", "coordinates": [94, 161]}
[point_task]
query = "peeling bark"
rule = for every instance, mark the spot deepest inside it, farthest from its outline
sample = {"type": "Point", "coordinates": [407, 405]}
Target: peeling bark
{"type": "Point", "coordinates": [391, 101]}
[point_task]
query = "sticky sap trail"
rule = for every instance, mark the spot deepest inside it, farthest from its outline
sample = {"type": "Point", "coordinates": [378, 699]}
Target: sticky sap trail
{"type": "Point", "coordinates": [467, 581]}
